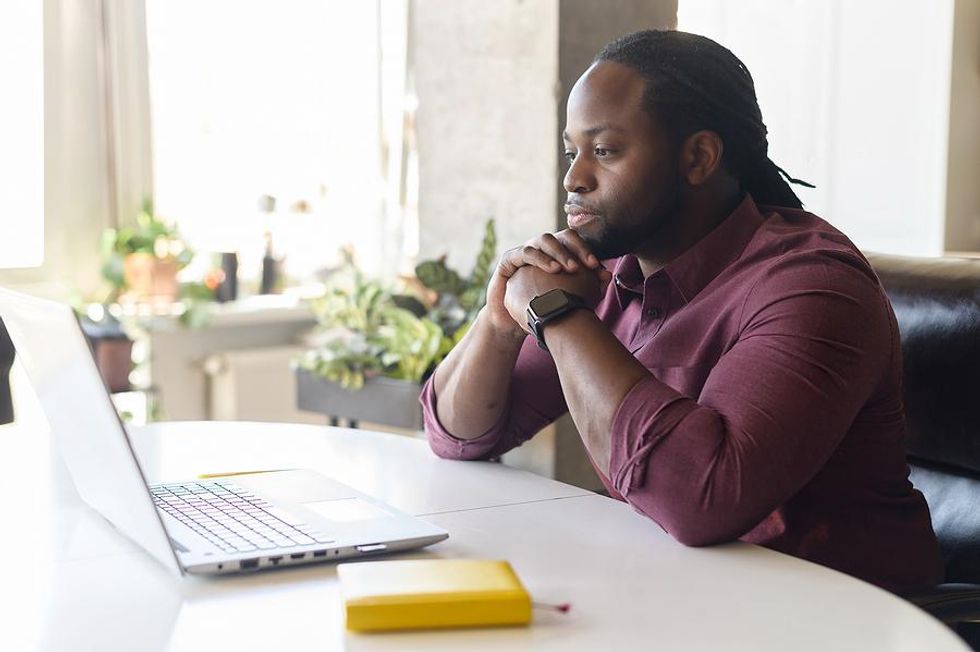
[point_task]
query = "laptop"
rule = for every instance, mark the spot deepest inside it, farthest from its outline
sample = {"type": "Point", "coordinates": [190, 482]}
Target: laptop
{"type": "Point", "coordinates": [226, 525]}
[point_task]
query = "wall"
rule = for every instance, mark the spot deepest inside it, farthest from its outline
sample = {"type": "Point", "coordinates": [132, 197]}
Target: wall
{"type": "Point", "coordinates": [857, 98]}
{"type": "Point", "coordinates": [962, 189]}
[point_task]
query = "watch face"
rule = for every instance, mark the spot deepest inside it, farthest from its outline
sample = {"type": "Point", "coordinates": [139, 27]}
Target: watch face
{"type": "Point", "coordinates": [548, 303]}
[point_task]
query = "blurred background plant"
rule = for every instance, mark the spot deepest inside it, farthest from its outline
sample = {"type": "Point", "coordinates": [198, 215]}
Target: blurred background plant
{"type": "Point", "coordinates": [141, 263]}
{"type": "Point", "coordinates": [136, 256]}
{"type": "Point", "coordinates": [458, 299]}
{"type": "Point", "coordinates": [368, 328]}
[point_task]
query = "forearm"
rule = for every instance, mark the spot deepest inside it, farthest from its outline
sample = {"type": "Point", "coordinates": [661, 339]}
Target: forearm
{"type": "Point", "coordinates": [773, 409]}
{"type": "Point", "coordinates": [598, 376]}
{"type": "Point", "coordinates": [596, 373]}
{"type": "Point", "coordinates": [473, 382]}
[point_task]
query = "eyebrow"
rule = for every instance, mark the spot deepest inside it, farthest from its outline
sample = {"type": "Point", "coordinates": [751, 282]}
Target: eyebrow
{"type": "Point", "coordinates": [595, 131]}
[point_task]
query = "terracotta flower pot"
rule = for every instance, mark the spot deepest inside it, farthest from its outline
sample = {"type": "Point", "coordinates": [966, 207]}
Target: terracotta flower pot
{"type": "Point", "coordinates": [149, 278]}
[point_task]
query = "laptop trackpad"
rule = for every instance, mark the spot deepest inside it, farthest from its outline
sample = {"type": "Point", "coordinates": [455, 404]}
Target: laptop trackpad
{"type": "Point", "coordinates": [346, 510]}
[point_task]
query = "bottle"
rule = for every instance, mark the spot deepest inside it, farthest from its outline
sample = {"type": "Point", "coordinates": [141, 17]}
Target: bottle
{"type": "Point", "coordinates": [227, 290]}
{"type": "Point", "coordinates": [270, 271]}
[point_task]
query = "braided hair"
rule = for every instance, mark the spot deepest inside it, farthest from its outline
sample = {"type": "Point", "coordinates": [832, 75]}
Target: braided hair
{"type": "Point", "coordinates": [694, 83]}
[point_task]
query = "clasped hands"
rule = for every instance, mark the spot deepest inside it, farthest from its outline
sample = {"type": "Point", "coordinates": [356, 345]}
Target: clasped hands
{"type": "Point", "coordinates": [546, 262]}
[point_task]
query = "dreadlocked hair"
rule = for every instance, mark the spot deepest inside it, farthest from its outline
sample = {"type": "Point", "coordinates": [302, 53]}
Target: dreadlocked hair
{"type": "Point", "coordinates": [694, 83]}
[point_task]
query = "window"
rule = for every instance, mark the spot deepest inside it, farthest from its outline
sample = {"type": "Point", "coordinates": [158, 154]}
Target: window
{"type": "Point", "coordinates": [280, 100]}
{"type": "Point", "coordinates": [22, 134]}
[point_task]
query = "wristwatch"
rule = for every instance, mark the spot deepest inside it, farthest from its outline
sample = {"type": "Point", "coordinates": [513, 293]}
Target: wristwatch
{"type": "Point", "coordinates": [548, 307]}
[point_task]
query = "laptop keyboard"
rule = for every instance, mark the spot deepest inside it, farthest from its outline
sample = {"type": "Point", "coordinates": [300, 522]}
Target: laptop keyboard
{"type": "Point", "coordinates": [233, 518]}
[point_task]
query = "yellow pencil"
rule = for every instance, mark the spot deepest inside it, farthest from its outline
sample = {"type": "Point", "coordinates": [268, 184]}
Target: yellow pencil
{"type": "Point", "coordinates": [208, 476]}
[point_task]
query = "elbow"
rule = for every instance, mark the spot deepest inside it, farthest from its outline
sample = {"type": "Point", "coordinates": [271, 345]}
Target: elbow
{"type": "Point", "coordinates": [440, 450]}
{"type": "Point", "coordinates": [694, 526]}
{"type": "Point", "coordinates": [700, 537]}
{"type": "Point", "coordinates": [712, 527]}
{"type": "Point", "coordinates": [698, 508]}
{"type": "Point", "coordinates": [443, 447]}
{"type": "Point", "coordinates": [448, 447]}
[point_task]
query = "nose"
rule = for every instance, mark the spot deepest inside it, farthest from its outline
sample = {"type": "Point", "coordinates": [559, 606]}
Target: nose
{"type": "Point", "coordinates": [580, 177]}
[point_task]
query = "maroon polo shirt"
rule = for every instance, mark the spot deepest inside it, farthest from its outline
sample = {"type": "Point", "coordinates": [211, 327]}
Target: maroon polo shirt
{"type": "Point", "coordinates": [773, 409]}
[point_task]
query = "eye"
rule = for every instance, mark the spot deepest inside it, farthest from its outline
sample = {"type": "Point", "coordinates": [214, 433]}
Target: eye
{"type": "Point", "coordinates": [602, 152]}
{"type": "Point", "coordinates": [569, 156]}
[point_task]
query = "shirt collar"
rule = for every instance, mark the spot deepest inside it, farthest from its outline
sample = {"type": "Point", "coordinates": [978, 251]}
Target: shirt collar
{"type": "Point", "coordinates": [628, 279]}
{"type": "Point", "coordinates": [694, 269]}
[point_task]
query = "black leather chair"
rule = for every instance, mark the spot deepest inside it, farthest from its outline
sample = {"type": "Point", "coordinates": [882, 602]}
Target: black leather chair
{"type": "Point", "coordinates": [937, 303]}
{"type": "Point", "coordinates": [6, 361]}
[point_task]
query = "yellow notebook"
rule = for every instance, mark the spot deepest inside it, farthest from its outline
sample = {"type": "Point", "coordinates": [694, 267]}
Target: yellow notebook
{"type": "Point", "coordinates": [425, 593]}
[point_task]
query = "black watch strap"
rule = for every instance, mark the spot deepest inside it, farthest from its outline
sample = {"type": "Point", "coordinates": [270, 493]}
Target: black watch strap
{"type": "Point", "coordinates": [549, 307]}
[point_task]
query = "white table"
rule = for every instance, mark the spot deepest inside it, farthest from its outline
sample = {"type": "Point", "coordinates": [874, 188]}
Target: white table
{"type": "Point", "coordinates": [73, 583]}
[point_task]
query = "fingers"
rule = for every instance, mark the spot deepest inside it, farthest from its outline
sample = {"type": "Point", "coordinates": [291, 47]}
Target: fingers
{"type": "Point", "coordinates": [555, 248]}
{"type": "Point", "coordinates": [526, 255]}
{"type": "Point", "coordinates": [551, 252]}
{"type": "Point", "coordinates": [574, 243]}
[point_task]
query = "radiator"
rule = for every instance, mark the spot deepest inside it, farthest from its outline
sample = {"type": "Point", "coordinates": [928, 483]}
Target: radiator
{"type": "Point", "coordinates": [255, 385]}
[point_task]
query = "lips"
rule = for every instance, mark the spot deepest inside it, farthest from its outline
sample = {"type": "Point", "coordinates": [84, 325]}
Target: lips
{"type": "Point", "coordinates": [579, 215]}
{"type": "Point", "coordinates": [579, 220]}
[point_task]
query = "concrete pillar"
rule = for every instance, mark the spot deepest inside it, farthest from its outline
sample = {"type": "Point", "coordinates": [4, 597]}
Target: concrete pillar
{"type": "Point", "coordinates": [491, 80]}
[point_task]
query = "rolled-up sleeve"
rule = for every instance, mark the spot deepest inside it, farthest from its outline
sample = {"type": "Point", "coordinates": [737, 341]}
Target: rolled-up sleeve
{"type": "Point", "coordinates": [444, 444]}
{"type": "Point", "coordinates": [813, 342]}
{"type": "Point", "coordinates": [534, 400]}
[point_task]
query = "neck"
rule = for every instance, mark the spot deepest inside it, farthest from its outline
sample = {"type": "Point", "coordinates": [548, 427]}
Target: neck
{"type": "Point", "coordinates": [698, 217]}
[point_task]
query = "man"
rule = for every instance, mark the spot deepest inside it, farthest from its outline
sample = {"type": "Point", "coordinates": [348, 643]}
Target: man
{"type": "Point", "coordinates": [732, 365]}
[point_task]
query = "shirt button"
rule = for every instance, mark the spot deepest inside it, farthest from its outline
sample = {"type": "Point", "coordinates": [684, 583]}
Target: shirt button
{"type": "Point", "coordinates": [653, 313]}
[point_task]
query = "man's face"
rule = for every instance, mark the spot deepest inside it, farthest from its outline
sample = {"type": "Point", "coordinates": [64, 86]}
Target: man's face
{"type": "Point", "coordinates": [623, 180]}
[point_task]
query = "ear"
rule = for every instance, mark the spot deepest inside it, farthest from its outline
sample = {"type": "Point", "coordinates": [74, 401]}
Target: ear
{"type": "Point", "coordinates": [701, 156]}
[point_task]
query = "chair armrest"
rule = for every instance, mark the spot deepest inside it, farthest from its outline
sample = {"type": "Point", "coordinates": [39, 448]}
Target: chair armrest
{"type": "Point", "coordinates": [950, 603]}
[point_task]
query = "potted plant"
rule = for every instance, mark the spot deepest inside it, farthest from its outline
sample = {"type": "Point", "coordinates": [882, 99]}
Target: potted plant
{"type": "Point", "coordinates": [142, 260]}
{"type": "Point", "coordinates": [139, 264]}
{"type": "Point", "coordinates": [375, 344]}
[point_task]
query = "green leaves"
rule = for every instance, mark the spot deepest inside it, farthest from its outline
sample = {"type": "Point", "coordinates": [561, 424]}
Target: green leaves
{"type": "Point", "coordinates": [411, 344]}
{"type": "Point", "coordinates": [460, 299]}
{"type": "Point", "coordinates": [149, 235]}
{"type": "Point", "coordinates": [198, 300]}
{"type": "Point", "coordinates": [488, 251]}
{"type": "Point", "coordinates": [363, 333]}
{"type": "Point", "coordinates": [366, 330]}
{"type": "Point", "coordinates": [435, 275]}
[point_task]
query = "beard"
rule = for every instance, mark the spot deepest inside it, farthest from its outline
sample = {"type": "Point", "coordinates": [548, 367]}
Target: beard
{"type": "Point", "coordinates": [610, 241]}
{"type": "Point", "coordinates": [627, 230]}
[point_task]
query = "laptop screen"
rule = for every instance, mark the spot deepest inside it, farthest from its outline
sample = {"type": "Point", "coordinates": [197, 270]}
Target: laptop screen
{"type": "Point", "coordinates": [84, 424]}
